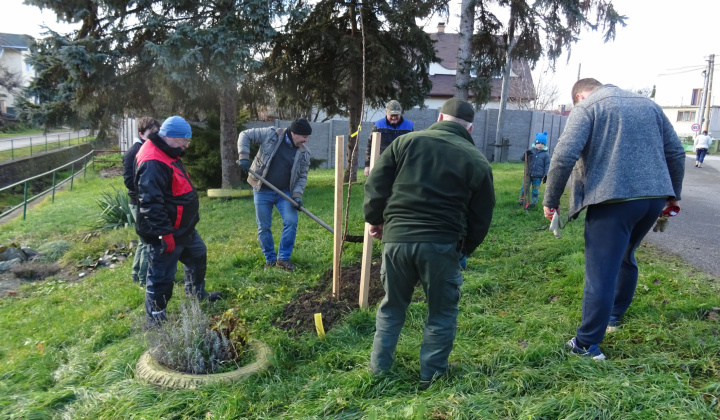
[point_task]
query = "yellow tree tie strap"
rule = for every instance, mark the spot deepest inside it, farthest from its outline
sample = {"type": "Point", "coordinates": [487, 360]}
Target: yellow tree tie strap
{"type": "Point", "coordinates": [356, 133]}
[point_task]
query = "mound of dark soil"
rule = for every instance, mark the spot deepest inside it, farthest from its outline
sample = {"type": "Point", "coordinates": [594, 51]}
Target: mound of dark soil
{"type": "Point", "coordinates": [299, 315]}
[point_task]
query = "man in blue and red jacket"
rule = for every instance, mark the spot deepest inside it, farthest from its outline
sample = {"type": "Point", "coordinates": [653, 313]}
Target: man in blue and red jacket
{"type": "Point", "coordinates": [167, 214]}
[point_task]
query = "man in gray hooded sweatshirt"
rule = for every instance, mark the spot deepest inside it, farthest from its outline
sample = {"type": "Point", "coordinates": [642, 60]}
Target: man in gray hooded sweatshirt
{"type": "Point", "coordinates": [625, 164]}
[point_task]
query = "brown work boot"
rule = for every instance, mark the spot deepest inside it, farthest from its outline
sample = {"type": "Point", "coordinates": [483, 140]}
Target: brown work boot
{"type": "Point", "coordinates": [269, 264]}
{"type": "Point", "coordinates": [286, 265]}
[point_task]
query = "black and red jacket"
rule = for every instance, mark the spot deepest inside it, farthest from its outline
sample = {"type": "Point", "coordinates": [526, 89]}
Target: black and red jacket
{"type": "Point", "coordinates": [167, 200]}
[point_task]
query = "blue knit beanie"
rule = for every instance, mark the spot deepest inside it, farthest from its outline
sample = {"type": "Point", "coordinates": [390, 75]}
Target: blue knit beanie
{"type": "Point", "coordinates": [176, 127]}
{"type": "Point", "coordinates": [541, 138]}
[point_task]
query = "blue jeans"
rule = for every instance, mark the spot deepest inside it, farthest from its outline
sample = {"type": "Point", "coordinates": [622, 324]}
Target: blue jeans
{"type": "Point", "coordinates": [612, 233]}
{"type": "Point", "coordinates": [140, 262]}
{"type": "Point", "coordinates": [264, 202]}
{"type": "Point", "coordinates": [437, 267]}
{"type": "Point", "coordinates": [192, 253]}
{"type": "Point", "coordinates": [535, 184]}
{"type": "Point", "coordinates": [700, 155]}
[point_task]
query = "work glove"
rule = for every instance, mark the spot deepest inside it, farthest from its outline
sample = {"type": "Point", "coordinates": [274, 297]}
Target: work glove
{"type": "Point", "coordinates": [555, 222]}
{"type": "Point", "coordinates": [544, 179]}
{"type": "Point", "coordinates": [661, 224]}
{"type": "Point", "coordinates": [298, 200]}
{"type": "Point", "coordinates": [169, 243]}
{"type": "Point", "coordinates": [244, 164]}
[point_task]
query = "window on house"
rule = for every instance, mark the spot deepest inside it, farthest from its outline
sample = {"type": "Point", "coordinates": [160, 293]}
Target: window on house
{"type": "Point", "coordinates": [696, 96]}
{"type": "Point", "coordinates": [686, 116]}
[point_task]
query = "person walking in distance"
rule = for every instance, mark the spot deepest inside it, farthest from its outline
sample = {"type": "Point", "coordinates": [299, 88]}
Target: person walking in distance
{"type": "Point", "coordinates": [701, 145]}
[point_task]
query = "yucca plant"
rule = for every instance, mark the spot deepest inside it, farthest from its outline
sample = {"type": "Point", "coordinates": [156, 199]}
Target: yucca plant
{"type": "Point", "coordinates": [115, 209]}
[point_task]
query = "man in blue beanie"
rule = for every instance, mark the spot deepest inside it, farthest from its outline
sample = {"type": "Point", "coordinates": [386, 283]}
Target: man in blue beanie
{"type": "Point", "coordinates": [536, 168]}
{"type": "Point", "coordinates": [167, 214]}
{"type": "Point", "coordinates": [284, 161]}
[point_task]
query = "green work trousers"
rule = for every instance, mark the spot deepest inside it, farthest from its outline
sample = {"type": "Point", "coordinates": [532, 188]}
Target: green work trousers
{"type": "Point", "coordinates": [437, 267]}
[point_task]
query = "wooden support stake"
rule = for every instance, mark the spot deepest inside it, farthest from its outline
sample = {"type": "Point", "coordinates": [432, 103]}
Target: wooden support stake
{"type": "Point", "coordinates": [368, 240]}
{"type": "Point", "coordinates": [337, 225]}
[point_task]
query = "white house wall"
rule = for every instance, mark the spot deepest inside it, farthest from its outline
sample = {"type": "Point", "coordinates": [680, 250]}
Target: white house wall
{"type": "Point", "coordinates": [14, 61]}
{"type": "Point", "coordinates": [683, 128]}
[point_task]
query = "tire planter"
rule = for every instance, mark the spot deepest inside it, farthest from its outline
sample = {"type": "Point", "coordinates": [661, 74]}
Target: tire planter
{"type": "Point", "coordinates": [150, 371]}
{"type": "Point", "coordinates": [229, 193]}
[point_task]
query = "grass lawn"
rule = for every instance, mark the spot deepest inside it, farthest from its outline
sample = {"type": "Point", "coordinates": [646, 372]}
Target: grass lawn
{"type": "Point", "coordinates": [68, 349]}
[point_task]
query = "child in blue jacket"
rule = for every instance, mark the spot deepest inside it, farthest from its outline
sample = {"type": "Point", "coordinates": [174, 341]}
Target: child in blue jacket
{"type": "Point", "coordinates": [538, 164]}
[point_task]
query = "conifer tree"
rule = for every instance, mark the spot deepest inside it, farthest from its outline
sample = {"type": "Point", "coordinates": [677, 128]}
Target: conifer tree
{"type": "Point", "coordinates": [134, 54]}
{"type": "Point", "coordinates": [317, 61]}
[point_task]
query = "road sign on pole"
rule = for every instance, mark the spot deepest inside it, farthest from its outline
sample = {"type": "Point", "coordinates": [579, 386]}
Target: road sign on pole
{"type": "Point", "coordinates": [695, 127]}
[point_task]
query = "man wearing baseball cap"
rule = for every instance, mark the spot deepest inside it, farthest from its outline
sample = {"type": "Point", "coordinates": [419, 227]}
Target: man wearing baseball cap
{"type": "Point", "coordinates": [167, 214]}
{"type": "Point", "coordinates": [390, 127]}
{"type": "Point", "coordinates": [430, 198]}
{"type": "Point", "coordinates": [284, 161]}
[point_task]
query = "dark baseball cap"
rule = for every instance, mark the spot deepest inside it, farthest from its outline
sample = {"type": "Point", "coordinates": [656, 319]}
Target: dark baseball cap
{"type": "Point", "coordinates": [458, 109]}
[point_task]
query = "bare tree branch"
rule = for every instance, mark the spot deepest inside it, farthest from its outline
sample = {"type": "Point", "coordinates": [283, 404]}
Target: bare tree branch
{"type": "Point", "coordinates": [9, 81]}
{"type": "Point", "coordinates": [546, 92]}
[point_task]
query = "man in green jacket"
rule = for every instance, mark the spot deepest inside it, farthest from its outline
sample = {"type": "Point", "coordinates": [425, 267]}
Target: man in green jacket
{"type": "Point", "coordinates": [430, 199]}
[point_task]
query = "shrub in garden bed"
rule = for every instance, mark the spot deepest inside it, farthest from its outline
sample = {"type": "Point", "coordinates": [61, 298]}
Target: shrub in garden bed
{"type": "Point", "coordinates": [192, 342]}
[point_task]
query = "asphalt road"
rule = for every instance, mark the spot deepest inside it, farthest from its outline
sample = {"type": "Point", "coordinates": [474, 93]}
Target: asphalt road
{"type": "Point", "coordinates": [38, 140]}
{"type": "Point", "coordinates": [695, 232]}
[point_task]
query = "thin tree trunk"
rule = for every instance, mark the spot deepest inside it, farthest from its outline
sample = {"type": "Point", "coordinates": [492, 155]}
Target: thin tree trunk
{"type": "Point", "coordinates": [467, 27]}
{"type": "Point", "coordinates": [354, 107]}
{"type": "Point", "coordinates": [505, 88]}
{"type": "Point", "coordinates": [228, 134]}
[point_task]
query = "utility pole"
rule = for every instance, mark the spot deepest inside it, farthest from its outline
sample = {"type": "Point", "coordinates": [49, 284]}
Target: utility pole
{"type": "Point", "coordinates": [700, 118]}
{"type": "Point", "coordinates": [708, 96]}
{"type": "Point", "coordinates": [579, 66]}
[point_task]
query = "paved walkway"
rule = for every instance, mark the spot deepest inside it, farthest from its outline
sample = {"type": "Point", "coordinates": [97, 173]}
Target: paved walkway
{"type": "Point", "coordinates": [693, 234]}
{"type": "Point", "coordinates": [38, 140]}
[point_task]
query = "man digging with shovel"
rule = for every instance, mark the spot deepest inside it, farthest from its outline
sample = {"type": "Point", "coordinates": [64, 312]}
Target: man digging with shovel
{"type": "Point", "coordinates": [284, 161]}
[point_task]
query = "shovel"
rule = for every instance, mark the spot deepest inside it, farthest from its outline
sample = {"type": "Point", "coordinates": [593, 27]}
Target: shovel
{"type": "Point", "coordinates": [283, 195]}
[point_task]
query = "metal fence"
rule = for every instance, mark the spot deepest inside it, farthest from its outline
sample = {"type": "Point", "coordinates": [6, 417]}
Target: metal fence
{"type": "Point", "coordinates": [41, 143]}
{"type": "Point", "coordinates": [55, 183]}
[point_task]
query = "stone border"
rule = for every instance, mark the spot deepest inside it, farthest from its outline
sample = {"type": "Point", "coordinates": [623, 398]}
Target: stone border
{"type": "Point", "coordinates": [151, 372]}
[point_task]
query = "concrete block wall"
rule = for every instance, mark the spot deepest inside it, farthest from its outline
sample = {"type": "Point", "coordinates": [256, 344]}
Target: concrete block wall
{"type": "Point", "coordinates": [519, 127]}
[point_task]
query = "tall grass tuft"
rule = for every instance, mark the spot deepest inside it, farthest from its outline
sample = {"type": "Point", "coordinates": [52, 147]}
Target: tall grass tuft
{"type": "Point", "coordinates": [189, 343]}
{"type": "Point", "coordinates": [115, 209]}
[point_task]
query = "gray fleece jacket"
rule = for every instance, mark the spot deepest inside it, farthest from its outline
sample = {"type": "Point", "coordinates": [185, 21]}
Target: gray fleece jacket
{"type": "Point", "coordinates": [616, 145]}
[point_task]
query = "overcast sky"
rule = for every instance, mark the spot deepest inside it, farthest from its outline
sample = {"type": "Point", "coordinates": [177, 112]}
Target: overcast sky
{"type": "Point", "coordinates": [661, 37]}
